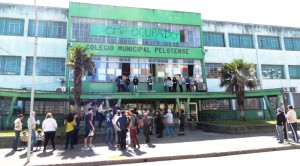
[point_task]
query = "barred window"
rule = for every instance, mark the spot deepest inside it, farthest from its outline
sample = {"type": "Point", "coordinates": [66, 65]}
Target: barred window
{"type": "Point", "coordinates": [292, 44]}
{"type": "Point", "coordinates": [251, 104]}
{"type": "Point", "coordinates": [215, 104]}
{"type": "Point", "coordinates": [213, 70]}
{"type": "Point", "coordinates": [43, 107]}
{"type": "Point", "coordinates": [240, 41]}
{"type": "Point", "coordinates": [294, 72]}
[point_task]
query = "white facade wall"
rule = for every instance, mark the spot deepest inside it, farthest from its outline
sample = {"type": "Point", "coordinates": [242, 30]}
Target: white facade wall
{"type": "Point", "coordinates": [257, 56]}
{"type": "Point", "coordinates": [24, 46]}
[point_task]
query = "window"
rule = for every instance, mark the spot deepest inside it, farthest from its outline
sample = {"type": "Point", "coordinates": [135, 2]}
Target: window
{"type": "Point", "coordinates": [272, 71]}
{"type": "Point", "coordinates": [213, 70]}
{"type": "Point", "coordinates": [292, 44]}
{"type": "Point", "coordinates": [43, 107]}
{"type": "Point", "coordinates": [10, 65]}
{"type": "Point", "coordinates": [294, 72]}
{"type": "Point", "coordinates": [12, 27]}
{"type": "Point", "coordinates": [48, 29]}
{"type": "Point", "coordinates": [251, 104]}
{"type": "Point", "coordinates": [214, 39]}
{"type": "Point", "coordinates": [46, 66]}
{"type": "Point", "coordinates": [268, 42]}
{"type": "Point", "coordinates": [240, 41]}
{"type": "Point", "coordinates": [213, 104]}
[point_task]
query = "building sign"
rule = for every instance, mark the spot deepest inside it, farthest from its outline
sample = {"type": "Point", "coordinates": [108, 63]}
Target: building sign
{"type": "Point", "coordinates": [137, 49]}
{"type": "Point", "coordinates": [135, 32]}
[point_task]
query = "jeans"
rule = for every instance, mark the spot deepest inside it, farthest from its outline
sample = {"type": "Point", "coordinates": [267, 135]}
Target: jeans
{"type": "Point", "coordinates": [69, 135]}
{"type": "Point", "coordinates": [149, 88]}
{"type": "Point", "coordinates": [279, 133]}
{"type": "Point", "coordinates": [135, 87]}
{"type": "Point", "coordinates": [110, 135]}
{"type": "Point", "coordinates": [170, 130]}
{"type": "Point", "coordinates": [33, 138]}
{"type": "Point", "coordinates": [127, 88]}
{"type": "Point", "coordinates": [123, 139]}
{"type": "Point", "coordinates": [17, 136]}
{"type": "Point", "coordinates": [75, 136]}
{"type": "Point", "coordinates": [293, 127]}
{"type": "Point", "coordinates": [165, 88]}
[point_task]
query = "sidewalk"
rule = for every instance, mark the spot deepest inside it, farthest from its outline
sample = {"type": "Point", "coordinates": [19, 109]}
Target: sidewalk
{"type": "Point", "coordinates": [194, 144]}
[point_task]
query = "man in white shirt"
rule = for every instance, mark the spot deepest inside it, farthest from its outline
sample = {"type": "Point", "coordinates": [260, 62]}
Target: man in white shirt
{"type": "Point", "coordinates": [18, 129]}
{"type": "Point", "coordinates": [101, 111]}
{"type": "Point", "coordinates": [33, 126]}
{"type": "Point", "coordinates": [291, 117]}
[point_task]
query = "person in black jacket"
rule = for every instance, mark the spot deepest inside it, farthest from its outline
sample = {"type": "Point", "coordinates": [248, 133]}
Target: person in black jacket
{"type": "Point", "coordinates": [122, 124]}
{"type": "Point", "coordinates": [174, 81]}
{"type": "Point", "coordinates": [280, 121]}
{"type": "Point", "coordinates": [135, 84]}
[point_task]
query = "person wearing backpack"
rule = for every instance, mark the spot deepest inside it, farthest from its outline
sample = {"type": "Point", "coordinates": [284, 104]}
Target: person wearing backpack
{"type": "Point", "coordinates": [147, 122]}
{"type": "Point", "coordinates": [133, 129]}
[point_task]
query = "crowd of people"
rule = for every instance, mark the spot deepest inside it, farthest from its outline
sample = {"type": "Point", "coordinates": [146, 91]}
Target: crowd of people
{"type": "Point", "coordinates": [122, 127]}
{"type": "Point", "coordinates": [169, 84]}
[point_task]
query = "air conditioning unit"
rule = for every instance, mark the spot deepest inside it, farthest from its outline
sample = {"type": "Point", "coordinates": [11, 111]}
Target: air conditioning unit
{"type": "Point", "coordinates": [293, 89]}
{"type": "Point", "coordinates": [285, 89]}
{"type": "Point", "coordinates": [71, 89]}
{"type": "Point", "coordinates": [201, 87]}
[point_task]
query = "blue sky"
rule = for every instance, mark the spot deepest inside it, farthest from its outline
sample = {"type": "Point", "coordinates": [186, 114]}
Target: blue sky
{"type": "Point", "coordinates": [269, 12]}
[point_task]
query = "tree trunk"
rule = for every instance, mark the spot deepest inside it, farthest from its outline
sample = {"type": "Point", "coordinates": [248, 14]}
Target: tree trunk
{"type": "Point", "coordinates": [240, 93]}
{"type": "Point", "coordinates": [77, 89]}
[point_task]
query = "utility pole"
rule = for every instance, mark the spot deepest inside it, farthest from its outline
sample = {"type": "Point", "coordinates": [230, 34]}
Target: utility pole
{"type": "Point", "coordinates": [33, 83]}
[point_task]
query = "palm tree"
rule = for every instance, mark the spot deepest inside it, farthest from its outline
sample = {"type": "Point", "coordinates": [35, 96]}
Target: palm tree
{"type": "Point", "coordinates": [235, 76]}
{"type": "Point", "coordinates": [80, 62]}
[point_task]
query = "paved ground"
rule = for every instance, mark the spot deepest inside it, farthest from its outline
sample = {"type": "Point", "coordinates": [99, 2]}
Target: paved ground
{"type": "Point", "coordinates": [195, 144]}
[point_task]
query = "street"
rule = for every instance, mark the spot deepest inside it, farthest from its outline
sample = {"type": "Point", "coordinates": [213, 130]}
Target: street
{"type": "Point", "coordinates": [276, 158]}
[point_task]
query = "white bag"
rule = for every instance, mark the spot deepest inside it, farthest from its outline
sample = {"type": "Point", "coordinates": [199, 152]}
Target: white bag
{"type": "Point", "coordinates": [128, 141]}
{"type": "Point", "coordinates": [91, 134]}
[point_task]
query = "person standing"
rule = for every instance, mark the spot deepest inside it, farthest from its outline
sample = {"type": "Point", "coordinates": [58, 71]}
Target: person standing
{"type": "Point", "coordinates": [133, 129]}
{"type": "Point", "coordinates": [110, 128]}
{"type": "Point", "coordinates": [33, 126]}
{"type": "Point", "coordinates": [116, 128]}
{"type": "Point", "coordinates": [180, 83]}
{"type": "Point", "coordinates": [280, 121]}
{"type": "Point", "coordinates": [149, 83]}
{"type": "Point", "coordinates": [49, 127]}
{"type": "Point", "coordinates": [135, 84]}
{"type": "Point", "coordinates": [121, 123]}
{"type": "Point", "coordinates": [165, 84]}
{"type": "Point", "coordinates": [169, 122]}
{"type": "Point", "coordinates": [187, 84]}
{"type": "Point", "coordinates": [192, 83]}
{"type": "Point", "coordinates": [146, 122]}
{"type": "Point", "coordinates": [18, 129]}
{"type": "Point", "coordinates": [89, 129]}
{"type": "Point", "coordinates": [159, 124]}
{"type": "Point", "coordinates": [101, 114]}
{"type": "Point", "coordinates": [174, 81]}
{"type": "Point", "coordinates": [170, 84]}
{"type": "Point", "coordinates": [291, 117]}
{"type": "Point", "coordinates": [127, 84]}
{"type": "Point", "coordinates": [70, 124]}
{"type": "Point", "coordinates": [76, 128]}
{"type": "Point", "coordinates": [151, 117]}
{"type": "Point", "coordinates": [39, 139]}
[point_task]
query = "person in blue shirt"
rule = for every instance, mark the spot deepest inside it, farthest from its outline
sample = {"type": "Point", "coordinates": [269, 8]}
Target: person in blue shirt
{"type": "Point", "coordinates": [89, 129]}
{"type": "Point", "coordinates": [110, 128]}
{"type": "Point", "coordinates": [123, 125]}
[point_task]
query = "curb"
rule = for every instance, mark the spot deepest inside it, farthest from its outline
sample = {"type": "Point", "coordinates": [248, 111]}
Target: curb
{"type": "Point", "coordinates": [179, 157]}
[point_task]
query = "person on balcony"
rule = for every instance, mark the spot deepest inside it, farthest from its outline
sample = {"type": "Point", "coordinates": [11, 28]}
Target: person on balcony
{"type": "Point", "coordinates": [149, 83]}
{"type": "Point", "coordinates": [135, 84]}
{"type": "Point", "coordinates": [174, 81]}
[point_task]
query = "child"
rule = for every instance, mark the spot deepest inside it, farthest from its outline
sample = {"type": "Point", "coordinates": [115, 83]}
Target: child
{"type": "Point", "coordinates": [24, 140]}
{"type": "Point", "coordinates": [39, 139]}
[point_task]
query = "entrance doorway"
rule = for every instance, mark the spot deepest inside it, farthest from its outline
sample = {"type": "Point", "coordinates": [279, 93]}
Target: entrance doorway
{"type": "Point", "coordinates": [126, 69]}
{"type": "Point", "coordinates": [193, 112]}
{"type": "Point", "coordinates": [191, 70]}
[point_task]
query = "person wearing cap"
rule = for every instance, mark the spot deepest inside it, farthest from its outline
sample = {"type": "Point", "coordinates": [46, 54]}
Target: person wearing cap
{"type": "Point", "coordinates": [280, 121]}
{"type": "Point", "coordinates": [291, 117]}
{"type": "Point", "coordinates": [33, 126]}
{"type": "Point", "coordinates": [18, 129]}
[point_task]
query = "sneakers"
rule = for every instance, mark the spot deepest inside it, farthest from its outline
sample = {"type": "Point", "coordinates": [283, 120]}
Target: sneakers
{"type": "Point", "coordinates": [91, 146]}
{"type": "Point", "coordinates": [85, 148]}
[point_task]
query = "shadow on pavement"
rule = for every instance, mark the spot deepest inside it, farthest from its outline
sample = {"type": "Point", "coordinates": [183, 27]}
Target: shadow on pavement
{"type": "Point", "coordinates": [126, 153]}
{"type": "Point", "coordinates": [72, 154]}
{"type": "Point", "coordinates": [45, 154]}
{"type": "Point", "coordinates": [138, 152]}
{"type": "Point", "coordinates": [10, 153]}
